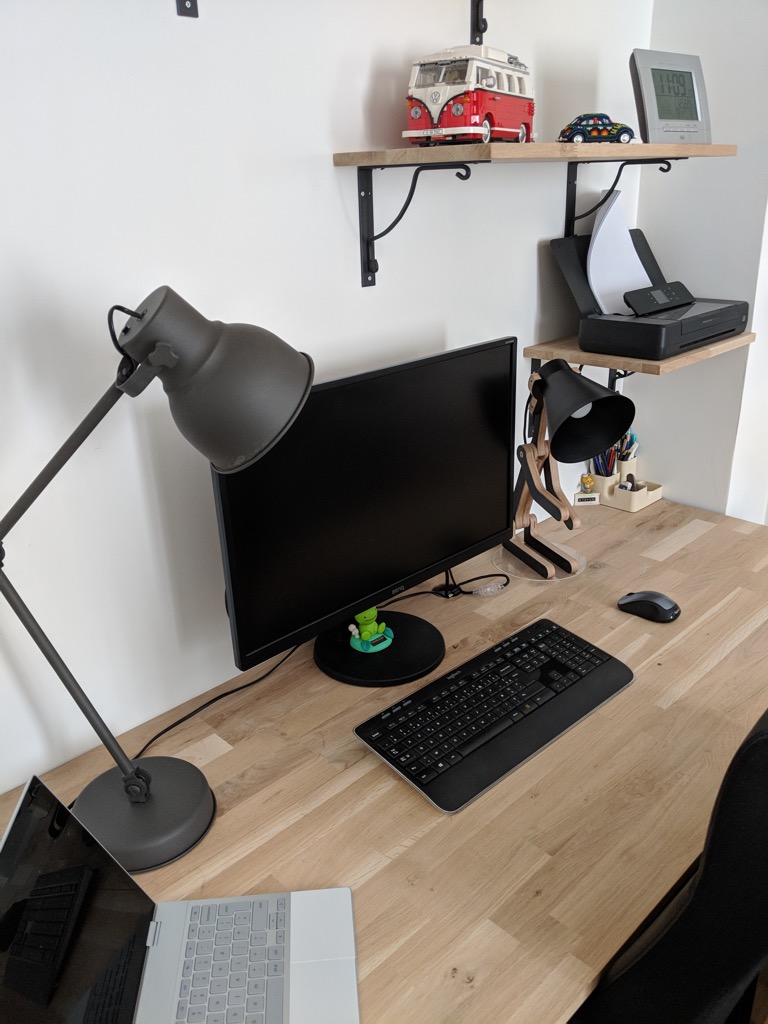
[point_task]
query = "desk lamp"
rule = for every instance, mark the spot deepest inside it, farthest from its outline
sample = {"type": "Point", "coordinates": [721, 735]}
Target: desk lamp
{"type": "Point", "coordinates": [583, 418]}
{"type": "Point", "coordinates": [233, 391]}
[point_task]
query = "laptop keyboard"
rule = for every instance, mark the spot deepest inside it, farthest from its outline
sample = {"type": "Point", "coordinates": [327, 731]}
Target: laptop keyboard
{"type": "Point", "coordinates": [466, 730]}
{"type": "Point", "coordinates": [235, 968]}
{"type": "Point", "coordinates": [45, 932]}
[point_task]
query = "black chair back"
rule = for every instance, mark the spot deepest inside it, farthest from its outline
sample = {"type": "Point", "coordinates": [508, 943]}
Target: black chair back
{"type": "Point", "coordinates": [698, 959]}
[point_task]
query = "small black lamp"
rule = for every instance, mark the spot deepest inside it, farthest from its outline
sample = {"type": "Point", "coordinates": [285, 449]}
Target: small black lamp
{"type": "Point", "coordinates": [233, 390]}
{"type": "Point", "coordinates": [583, 418]}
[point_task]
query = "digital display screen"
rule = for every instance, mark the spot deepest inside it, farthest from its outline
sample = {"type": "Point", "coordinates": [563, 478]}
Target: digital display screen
{"type": "Point", "coordinates": [659, 295]}
{"type": "Point", "coordinates": [675, 95]}
{"type": "Point", "coordinates": [383, 479]}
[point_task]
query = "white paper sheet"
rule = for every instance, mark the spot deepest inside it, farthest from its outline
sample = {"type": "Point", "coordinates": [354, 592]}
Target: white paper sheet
{"type": "Point", "coordinates": [613, 266]}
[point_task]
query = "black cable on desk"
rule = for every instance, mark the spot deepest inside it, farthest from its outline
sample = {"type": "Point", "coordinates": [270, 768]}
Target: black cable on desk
{"type": "Point", "coordinates": [450, 588]}
{"type": "Point", "coordinates": [213, 700]}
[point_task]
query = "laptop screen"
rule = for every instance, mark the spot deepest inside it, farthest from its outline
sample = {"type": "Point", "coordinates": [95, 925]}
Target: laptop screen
{"type": "Point", "coordinates": [73, 923]}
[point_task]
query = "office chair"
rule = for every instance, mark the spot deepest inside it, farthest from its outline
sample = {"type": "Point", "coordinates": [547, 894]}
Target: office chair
{"type": "Point", "coordinates": [697, 958]}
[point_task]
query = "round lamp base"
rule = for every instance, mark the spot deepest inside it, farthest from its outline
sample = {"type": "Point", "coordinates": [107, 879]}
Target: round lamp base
{"type": "Point", "coordinates": [179, 811]}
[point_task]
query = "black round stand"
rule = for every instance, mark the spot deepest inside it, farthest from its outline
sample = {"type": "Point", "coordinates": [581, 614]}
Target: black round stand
{"type": "Point", "coordinates": [175, 817]}
{"type": "Point", "coordinates": [416, 649]}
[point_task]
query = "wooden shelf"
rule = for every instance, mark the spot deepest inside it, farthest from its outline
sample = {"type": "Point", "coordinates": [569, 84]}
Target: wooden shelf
{"type": "Point", "coordinates": [568, 349]}
{"type": "Point", "coordinates": [458, 157]}
{"type": "Point", "coordinates": [505, 152]}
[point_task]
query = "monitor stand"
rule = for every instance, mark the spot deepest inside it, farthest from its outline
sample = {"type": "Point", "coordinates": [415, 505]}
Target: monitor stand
{"type": "Point", "coordinates": [417, 648]}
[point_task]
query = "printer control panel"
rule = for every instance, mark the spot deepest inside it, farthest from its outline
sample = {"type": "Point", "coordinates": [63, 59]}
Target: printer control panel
{"type": "Point", "coordinates": [652, 300]}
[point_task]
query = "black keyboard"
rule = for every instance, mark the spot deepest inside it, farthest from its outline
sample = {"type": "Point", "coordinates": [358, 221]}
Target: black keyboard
{"type": "Point", "coordinates": [463, 732]}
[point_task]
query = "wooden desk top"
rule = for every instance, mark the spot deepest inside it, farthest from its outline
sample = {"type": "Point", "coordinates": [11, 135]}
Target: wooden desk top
{"type": "Point", "coordinates": [507, 910]}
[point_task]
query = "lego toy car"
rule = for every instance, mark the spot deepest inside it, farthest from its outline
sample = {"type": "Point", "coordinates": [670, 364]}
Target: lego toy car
{"type": "Point", "coordinates": [595, 128]}
{"type": "Point", "coordinates": [469, 94]}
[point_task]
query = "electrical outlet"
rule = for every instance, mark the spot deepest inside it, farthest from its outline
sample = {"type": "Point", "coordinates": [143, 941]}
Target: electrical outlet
{"type": "Point", "coordinates": [187, 8]}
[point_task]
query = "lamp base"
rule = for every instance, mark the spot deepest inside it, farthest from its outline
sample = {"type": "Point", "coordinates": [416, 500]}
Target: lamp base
{"type": "Point", "coordinates": [178, 813]}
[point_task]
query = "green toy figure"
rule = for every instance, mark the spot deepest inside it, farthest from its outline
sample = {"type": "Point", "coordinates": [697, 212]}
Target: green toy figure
{"type": "Point", "coordinates": [369, 636]}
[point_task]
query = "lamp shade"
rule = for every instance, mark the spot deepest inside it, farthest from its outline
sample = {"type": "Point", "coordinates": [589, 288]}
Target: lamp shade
{"type": "Point", "coordinates": [233, 389]}
{"type": "Point", "coordinates": [584, 417]}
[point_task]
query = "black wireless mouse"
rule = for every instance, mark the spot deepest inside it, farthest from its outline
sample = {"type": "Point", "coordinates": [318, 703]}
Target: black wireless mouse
{"type": "Point", "coordinates": [650, 604]}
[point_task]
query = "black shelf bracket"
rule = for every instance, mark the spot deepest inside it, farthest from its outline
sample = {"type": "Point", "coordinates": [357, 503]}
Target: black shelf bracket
{"type": "Point", "coordinates": [571, 181]}
{"type": "Point", "coordinates": [479, 26]}
{"type": "Point", "coordinates": [614, 376]}
{"type": "Point", "coordinates": [368, 263]}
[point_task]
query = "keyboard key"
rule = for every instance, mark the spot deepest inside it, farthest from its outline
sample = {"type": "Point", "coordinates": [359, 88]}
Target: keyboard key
{"type": "Point", "coordinates": [274, 1010]}
{"type": "Point", "coordinates": [477, 741]}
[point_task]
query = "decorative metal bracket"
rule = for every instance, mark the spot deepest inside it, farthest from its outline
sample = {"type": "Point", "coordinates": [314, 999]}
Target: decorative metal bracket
{"type": "Point", "coordinates": [368, 263]}
{"type": "Point", "coordinates": [570, 187]}
{"type": "Point", "coordinates": [479, 26]}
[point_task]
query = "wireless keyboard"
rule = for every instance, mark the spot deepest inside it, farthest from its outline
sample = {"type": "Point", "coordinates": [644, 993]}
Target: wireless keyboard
{"type": "Point", "coordinates": [458, 735]}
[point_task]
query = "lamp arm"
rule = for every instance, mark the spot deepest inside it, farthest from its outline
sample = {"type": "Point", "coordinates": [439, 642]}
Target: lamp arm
{"type": "Point", "coordinates": [60, 459]}
{"type": "Point", "coordinates": [135, 779]}
{"type": "Point", "coordinates": [136, 785]}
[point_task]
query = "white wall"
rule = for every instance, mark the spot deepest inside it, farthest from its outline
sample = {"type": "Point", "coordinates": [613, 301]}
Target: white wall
{"type": "Point", "coordinates": [748, 495]}
{"type": "Point", "coordinates": [142, 148]}
{"type": "Point", "coordinates": [705, 222]}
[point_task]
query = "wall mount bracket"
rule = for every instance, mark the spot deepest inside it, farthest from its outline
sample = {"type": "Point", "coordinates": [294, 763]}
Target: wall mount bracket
{"type": "Point", "coordinates": [479, 26]}
{"type": "Point", "coordinates": [572, 177]}
{"type": "Point", "coordinates": [368, 263]}
{"type": "Point", "coordinates": [614, 376]}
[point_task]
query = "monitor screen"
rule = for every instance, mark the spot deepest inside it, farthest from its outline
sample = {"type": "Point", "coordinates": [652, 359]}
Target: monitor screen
{"type": "Point", "coordinates": [385, 479]}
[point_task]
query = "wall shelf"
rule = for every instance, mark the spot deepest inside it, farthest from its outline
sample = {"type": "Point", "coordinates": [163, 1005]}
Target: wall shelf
{"type": "Point", "coordinates": [536, 152]}
{"type": "Point", "coordinates": [459, 157]}
{"type": "Point", "coordinates": [568, 349]}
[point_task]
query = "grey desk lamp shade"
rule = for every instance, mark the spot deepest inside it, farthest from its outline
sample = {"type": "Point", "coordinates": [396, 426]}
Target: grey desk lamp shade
{"type": "Point", "coordinates": [233, 389]}
{"type": "Point", "coordinates": [584, 418]}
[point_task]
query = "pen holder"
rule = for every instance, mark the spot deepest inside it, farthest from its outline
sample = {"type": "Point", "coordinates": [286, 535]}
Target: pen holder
{"type": "Point", "coordinates": [628, 501]}
{"type": "Point", "coordinates": [626, 467]}
{"type": "Point", "coordinates": [633, 501]}
{"type": "Point", "coordinates": [605, 485]}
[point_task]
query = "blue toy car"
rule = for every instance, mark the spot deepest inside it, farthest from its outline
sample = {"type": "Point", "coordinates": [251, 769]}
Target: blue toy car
{"type": "Point", "coordinates": [595, 128]}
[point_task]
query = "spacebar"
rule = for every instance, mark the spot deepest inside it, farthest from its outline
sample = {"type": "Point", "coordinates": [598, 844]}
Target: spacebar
{"type": "Point", "coordinates": [499, 726]}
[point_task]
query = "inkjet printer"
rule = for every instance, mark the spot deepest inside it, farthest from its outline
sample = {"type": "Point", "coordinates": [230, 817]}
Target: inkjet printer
{"type": "Point", "coordinates": [667, 319]}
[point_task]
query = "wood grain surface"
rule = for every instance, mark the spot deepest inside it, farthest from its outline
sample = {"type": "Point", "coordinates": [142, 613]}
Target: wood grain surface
{"type": "Point", "coordinates": [508, 910]}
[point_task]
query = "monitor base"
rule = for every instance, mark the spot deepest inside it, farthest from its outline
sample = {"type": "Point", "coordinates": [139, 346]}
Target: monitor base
{"type": "Point", "coordinates": [418, 648]}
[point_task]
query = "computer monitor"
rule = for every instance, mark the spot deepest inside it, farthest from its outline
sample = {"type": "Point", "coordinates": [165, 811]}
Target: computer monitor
{"type": "Point", "coordinates": [386, 479]}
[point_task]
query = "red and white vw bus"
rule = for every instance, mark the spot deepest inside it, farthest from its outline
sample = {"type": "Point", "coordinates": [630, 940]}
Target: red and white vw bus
{"type": "Point", "coordinates": [470, 93]}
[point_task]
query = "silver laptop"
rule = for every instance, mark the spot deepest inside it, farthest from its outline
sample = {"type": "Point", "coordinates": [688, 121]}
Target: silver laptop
{"type": "Point", "coordinates": [82, 943]}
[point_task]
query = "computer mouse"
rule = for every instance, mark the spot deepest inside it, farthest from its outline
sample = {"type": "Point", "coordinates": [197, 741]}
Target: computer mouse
{"type": "Point", "coordinates": [650, 604]}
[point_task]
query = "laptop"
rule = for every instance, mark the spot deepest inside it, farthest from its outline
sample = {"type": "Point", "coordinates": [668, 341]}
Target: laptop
{"type": "Point", "coordinates": [82, 943]}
